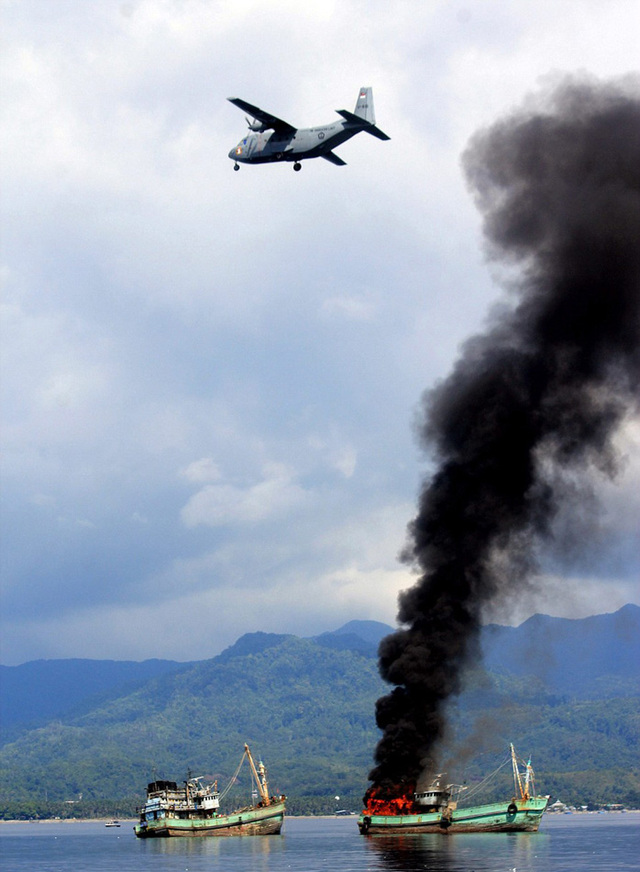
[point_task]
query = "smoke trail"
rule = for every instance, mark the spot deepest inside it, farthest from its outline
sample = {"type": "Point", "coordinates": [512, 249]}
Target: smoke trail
{"type": "Point", "coordinates": [530, 404]}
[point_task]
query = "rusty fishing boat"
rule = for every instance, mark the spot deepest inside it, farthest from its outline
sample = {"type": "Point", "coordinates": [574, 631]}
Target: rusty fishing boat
{"type": "Point", "coordinates": [193, 808]}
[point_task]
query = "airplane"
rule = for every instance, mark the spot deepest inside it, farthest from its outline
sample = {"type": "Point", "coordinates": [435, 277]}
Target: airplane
{"type": "Point", "coordinates": [272, 139]}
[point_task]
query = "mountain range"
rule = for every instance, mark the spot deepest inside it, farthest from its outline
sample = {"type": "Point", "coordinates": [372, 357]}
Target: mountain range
{"type": "Point", "coordinates": [565, 691]}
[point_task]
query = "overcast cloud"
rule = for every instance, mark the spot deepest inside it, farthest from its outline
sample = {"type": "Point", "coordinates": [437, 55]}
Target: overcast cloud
{"type": "Point", "coordinates": [210, 378]}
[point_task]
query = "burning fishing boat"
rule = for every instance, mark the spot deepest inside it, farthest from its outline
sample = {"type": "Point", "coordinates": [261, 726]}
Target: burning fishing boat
{"type": "Point", "coordinates": [194, 808]}
{"type": "Point", "coordinates": [438, 809]}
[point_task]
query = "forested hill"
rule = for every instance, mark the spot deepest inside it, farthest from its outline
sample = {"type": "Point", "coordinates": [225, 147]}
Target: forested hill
{"type": "Point", "coordinates": [37, 692]}
{"type": "Point", "coordinates": [583, 658]}
{"type": "Point", "coordinates": [41, 690]}
{"type": "Point", "coordinates": [307, 707]}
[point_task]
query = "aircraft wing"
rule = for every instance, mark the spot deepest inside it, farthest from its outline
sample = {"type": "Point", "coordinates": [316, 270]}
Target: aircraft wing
{"type": "Point", "coordinates": [265, 117]}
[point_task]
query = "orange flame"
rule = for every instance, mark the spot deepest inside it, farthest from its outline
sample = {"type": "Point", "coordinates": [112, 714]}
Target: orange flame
{"type": "Point", "coordinates": [402, 803]}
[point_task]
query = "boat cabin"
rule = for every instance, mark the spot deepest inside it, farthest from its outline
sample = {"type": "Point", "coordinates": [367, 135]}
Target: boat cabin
{"type": "Point", "coordinates": [435, 797]}
{"type": "Point", "coordinates": [165, 799]}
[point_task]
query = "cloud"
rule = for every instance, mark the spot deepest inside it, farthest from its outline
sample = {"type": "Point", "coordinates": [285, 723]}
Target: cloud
{"type": "Point", "coordinates": [171, 328]}
{"type": "Point", "coordinates": [337, 452]}
{"type": "Point", "coordinates": [347, 307]}
{"type": "Point", "coordinates": [565, 596]}
{"type": "Point", "coordinates": [276, 496]}
{"type": "Point", "coordinates": [202, 470]}
{"type": "Point", "coordinates": [345, 461]}
{"type": "Point", "coordinates": [197, 606]}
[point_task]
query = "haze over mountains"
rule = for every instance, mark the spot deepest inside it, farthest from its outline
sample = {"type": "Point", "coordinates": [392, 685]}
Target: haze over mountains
{"type": "Point", "coordinates": [566, 691]}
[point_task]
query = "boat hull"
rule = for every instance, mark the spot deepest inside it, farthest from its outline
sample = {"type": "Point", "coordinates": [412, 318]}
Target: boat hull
{"type": "Point", "coordinates": [520, 816]}
{"type": "Point", "coordinates": [257, 821]}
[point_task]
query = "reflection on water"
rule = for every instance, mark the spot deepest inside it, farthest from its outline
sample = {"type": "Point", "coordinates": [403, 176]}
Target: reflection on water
{"type": "Point", "coordinates": [428, 851]}
{"type": "Point", "coordinates": [256, 852]}
{"type": "Point", "coordinates": [471, 852]}
{"type": "Point", "coordinates": [588, 843]}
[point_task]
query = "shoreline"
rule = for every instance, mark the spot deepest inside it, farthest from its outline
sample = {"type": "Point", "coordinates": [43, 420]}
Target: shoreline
{"type": "Point", "coordinates": [121, 821]}
{"type": "Point", "coordinates": [133, 821]}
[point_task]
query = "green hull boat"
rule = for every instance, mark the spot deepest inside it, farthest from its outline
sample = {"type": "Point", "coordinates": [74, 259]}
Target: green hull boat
{"type": "Point", "coordinates": [193, 809]}
{"type": "Point", "coordinates": [518, 816]}
{"type": "Point", "coordinates": [434, 810]}
{"type": "Point", "coordinates": [252, 821]}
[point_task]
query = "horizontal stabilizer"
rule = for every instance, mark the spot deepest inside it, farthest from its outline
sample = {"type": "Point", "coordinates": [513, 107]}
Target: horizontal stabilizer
{"type": "Point", "coordinates": [375, 131]}
{"type": "Point", "coordinates": [334, 159]}
{"type": "Point", "coordinates": [351, 116]}
{"type": "Point", "coordinates": [363, 125]}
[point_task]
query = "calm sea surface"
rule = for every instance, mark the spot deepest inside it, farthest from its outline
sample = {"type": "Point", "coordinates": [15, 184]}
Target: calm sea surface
{"type": "Point", "coordinates": [589, 842]}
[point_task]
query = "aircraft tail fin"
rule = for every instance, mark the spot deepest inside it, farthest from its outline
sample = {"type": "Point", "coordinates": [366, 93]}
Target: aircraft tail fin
{"type": "Point", "coordinates": [364, 105]}
{"type": "Point", "coordinates": [364, 114]}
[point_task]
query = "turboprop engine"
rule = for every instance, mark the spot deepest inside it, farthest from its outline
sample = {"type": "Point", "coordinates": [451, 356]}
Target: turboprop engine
{"type": "Point", "coordinates": [255, 125]}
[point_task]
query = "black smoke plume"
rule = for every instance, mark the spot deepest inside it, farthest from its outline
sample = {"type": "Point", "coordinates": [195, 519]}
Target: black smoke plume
{"type": "Point", "coordinates": [531, 404]}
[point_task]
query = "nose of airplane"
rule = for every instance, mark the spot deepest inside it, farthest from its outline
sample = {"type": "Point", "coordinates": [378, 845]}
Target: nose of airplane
{"type": "Point", "coordinates": [232, 154]}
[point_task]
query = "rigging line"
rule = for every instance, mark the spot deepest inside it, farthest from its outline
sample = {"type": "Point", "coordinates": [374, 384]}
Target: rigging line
{"type": "Point", "coordinates": [491, 775]}
{"type": "Point", "coordinates": [233, 777]}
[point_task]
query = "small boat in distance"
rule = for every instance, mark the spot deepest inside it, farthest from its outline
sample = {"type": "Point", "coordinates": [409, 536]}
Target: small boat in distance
{"type": "Point", "coordinates": [112, 823]}
{"type": "Point", "coordinates": [435, 811]}
{"type": "Point", "coordinates": [193, 809]}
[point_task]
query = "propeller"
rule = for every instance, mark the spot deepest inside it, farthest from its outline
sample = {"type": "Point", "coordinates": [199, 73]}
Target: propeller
{"type": "Point", "coordinates": [255, 125]}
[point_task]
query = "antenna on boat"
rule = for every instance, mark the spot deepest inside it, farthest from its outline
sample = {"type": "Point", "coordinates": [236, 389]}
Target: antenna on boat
{"type": "Point", "coordinates": [529, 783]}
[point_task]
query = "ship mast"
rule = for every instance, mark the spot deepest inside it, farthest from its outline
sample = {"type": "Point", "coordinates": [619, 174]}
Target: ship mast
{"type": "Point", "coordinates": [517, 779]}
{"type": "Point", "coordinates": [260, 779]}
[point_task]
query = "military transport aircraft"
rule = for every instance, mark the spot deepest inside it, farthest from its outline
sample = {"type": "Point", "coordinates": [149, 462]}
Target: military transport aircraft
{"type": "Point", "coordinates": [272, 139]}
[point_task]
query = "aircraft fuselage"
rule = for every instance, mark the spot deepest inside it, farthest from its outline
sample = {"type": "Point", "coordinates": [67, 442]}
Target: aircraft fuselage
{"type": "Point", "coordinates": [307, 142]}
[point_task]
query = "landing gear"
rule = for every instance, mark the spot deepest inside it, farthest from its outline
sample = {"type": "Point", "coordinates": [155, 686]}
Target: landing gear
{"type": "Point", "coordinates": [236, 167]}
{"type": "Point", "coordinates": [297, 166]}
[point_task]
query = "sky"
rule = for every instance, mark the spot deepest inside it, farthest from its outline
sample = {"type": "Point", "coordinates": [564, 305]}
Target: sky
{"type": "Point", "coordinates": [210, 379]}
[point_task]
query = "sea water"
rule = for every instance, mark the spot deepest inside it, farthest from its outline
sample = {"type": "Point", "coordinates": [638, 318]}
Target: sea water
{"type": "Point", "coordinates": [575, 843]}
